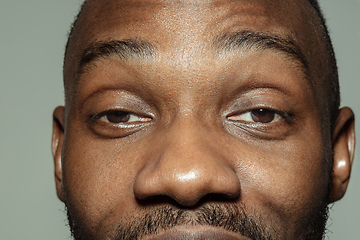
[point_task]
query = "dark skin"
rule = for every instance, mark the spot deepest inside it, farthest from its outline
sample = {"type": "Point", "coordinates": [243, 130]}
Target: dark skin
{"type": "Point", "coordinates": [188, 123]}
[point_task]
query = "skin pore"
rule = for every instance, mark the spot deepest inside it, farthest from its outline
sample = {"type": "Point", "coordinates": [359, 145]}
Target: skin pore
{"type": "Point", "coordinates": [198, 120]}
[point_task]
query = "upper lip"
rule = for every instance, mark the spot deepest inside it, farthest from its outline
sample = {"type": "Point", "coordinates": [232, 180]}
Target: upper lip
{"type": "Point", "coordinates": [196, 233]}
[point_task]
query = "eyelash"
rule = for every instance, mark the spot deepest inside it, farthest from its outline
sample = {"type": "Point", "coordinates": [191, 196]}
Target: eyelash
{"type": "Point", "coordinates": [123, 123]}
{"type": "Point", "coordinates": [278, 115]}
{"type": "Point", "coordinates": [129, 117]}
{"type": "Point", "coordinates": [101, 115]}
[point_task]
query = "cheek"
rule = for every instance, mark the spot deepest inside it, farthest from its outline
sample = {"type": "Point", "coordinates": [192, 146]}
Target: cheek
{"type": "Point", "coordinates": [98, 179]}
{"type": "Point", "coordinates": [286, 179]}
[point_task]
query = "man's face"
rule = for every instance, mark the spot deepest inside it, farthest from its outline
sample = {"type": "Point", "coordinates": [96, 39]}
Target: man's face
{"type": "Point", "coordinates": [195, 120]}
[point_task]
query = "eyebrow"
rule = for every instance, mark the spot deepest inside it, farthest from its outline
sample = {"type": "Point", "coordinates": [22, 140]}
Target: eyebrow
{"type": "Point", "coordinates": [134, 48]}
{"type": "Point", "coordinates": [260, 41]}
{"type": "Point", "coordinates": [124, 49]}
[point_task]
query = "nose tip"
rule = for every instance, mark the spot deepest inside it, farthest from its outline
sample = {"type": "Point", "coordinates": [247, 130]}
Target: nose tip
{"type": "Point", "coordinates": [187, 178]}
{"type": "Point", "coordinates": [192, 186]}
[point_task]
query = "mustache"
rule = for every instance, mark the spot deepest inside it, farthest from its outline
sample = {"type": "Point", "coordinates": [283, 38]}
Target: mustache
{"type": "Point", "coordinates": [230, 217]}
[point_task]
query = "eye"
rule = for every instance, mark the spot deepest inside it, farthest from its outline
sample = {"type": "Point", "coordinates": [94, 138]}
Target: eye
{"type": "Point", "coordinates": [120, 117]}
{"type": "Point", "coordinates": [260, 115]}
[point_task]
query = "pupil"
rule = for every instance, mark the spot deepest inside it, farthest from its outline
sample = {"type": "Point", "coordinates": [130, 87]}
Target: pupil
{"type": "Point", "coordinates": [118, 117]}
{"type": "Point", "coordinates": [262, 115]}
{"type": "Point", "coordinates": [261, 112]}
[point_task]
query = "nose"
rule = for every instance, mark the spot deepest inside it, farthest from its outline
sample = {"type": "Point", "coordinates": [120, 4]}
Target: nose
{"type": "Point", "coordinates": [187, 163]}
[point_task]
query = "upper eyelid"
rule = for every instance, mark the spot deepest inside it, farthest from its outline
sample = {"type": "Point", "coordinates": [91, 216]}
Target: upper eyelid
{"type": "Point", "coordinates": [286, 115]}
{"type": "Point", "coordinates": [121, 99]}
{"type": "Point", "coordinates": [103, 113]}
{"type": "Point", "coordinates": [240, 112]}
{"type": "Point", "coordinates": [266, 97]}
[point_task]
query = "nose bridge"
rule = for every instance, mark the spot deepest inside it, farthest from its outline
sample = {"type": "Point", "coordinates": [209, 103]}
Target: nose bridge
{"type": "Point", "coordinates": [188, 156]}
{"type": "Point", "coordinates": [186, 138]}
{"type": "Point", "coordinates": [189, 165]}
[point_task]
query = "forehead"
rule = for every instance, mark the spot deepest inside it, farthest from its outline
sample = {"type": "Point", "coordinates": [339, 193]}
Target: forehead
{"type": "Point", "coordinates": [190, 24]}
{"type": "Point", "coordinates": [179, 19]}
{"type": "Point", "coordinates": [184, 30]}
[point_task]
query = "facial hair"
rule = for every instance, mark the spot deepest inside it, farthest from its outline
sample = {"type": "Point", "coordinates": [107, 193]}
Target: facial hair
{"type": "Point", "coordinates": [227, 216]}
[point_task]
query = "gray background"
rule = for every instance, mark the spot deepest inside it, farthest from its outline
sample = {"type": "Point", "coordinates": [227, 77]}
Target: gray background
{"type": "Point", "coordinates": [32, 40]}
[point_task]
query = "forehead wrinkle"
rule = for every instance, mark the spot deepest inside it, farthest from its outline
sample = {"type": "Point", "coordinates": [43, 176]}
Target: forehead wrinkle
{"type": "Point", "coordinates": [232, 42]}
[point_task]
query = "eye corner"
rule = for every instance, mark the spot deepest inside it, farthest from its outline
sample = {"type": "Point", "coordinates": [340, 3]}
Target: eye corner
{"type": "Point", "coordinates": [288, 116]}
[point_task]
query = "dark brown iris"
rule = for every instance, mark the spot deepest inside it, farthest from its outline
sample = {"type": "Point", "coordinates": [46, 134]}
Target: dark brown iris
{"type": "Point", "coordinates": [262, 115]}
{"type": "Point", "coordinates": [117, 117]}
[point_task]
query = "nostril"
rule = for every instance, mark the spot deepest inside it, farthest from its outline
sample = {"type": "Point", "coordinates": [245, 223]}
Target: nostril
{"type": "Point", "coordinates": [167, 200]}
{"type": "Point", "coordinates": [208, 198]}
{"type": "Point", "coordinates": [219, 197]}
{"type": "Point", "coordinates": [158, 200]}
{"type": "Point", "coordinates": [186, 188]}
